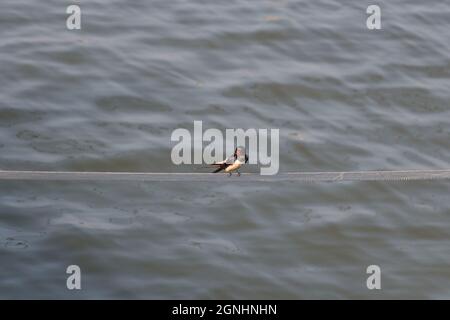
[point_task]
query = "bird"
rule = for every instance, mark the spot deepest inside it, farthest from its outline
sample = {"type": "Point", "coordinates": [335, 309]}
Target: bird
{"type": "Point", "coordinates": [232, 163]}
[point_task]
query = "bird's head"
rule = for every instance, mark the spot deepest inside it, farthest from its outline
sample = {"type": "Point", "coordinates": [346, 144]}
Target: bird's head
{"type": "Point", "coordinates": [239, 153]}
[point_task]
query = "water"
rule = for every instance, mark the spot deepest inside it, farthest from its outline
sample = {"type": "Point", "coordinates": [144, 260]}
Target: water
{"type": "Point", "coordinates": [107, 98]}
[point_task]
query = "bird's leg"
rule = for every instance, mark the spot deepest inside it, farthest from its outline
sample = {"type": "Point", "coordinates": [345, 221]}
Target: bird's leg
{"type": "Point", "coordinates": [229, 174]}
{"type": "Point", "coordinates": [238, 173]}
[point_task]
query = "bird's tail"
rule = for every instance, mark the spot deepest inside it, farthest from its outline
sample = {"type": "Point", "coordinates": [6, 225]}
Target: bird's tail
{"type": "Point", "coordinates": [218, 169]}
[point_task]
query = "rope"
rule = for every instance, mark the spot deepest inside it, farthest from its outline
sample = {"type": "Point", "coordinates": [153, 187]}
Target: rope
{"type": "Point", "coordinates": [404, 175]}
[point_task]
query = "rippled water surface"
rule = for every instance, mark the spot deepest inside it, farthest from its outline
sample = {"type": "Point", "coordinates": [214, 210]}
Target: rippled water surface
{"type": "Point", "coordinates": [107, 98]}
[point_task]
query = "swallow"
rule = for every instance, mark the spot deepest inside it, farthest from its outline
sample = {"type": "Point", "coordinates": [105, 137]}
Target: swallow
{"type": "Point", "coordinates": [232, 163]}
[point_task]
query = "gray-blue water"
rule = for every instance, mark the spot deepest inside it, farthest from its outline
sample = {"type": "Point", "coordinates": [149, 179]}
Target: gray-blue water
{"type": "Point", "coordinates": [107, 98]}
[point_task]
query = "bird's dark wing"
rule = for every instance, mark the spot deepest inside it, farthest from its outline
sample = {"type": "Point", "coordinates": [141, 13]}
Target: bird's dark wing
{"type": "Point", "coordinates": [221, 167]}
